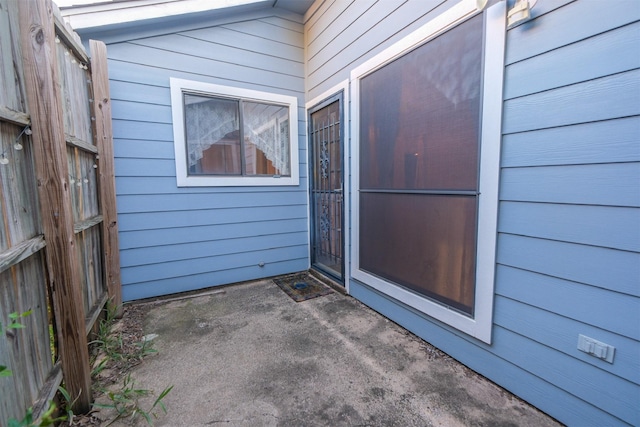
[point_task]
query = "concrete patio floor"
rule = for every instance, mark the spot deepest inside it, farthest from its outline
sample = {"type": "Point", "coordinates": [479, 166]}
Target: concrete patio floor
{"type": "Point", "coordinates": [248, 355]}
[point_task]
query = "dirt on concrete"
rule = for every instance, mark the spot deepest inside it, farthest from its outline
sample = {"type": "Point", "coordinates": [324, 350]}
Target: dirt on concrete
{"type": "Point", "coordinates": [248, 355]}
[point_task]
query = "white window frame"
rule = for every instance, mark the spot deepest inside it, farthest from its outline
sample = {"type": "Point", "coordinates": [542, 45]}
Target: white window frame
{"type": "Point", "coordinates": [181, 86]}
{"type": "Point", "coordinates": [480, 325]}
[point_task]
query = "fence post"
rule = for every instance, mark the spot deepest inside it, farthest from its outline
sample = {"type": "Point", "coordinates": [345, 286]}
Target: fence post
{"type": "Point", "coordinates": [37, 36]}
{"type": "Point", "coordinates": [104, 142]}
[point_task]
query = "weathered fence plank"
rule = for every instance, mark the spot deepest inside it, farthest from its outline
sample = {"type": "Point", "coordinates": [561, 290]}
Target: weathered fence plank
{"type": "Point", "coordinates": [43, 97]}
{"type": "Point", "coordinates": [21, 251]}
{"type": "Point", "coordinates": [67, 35]}
{"type": "Point", "coordinates": [74, 84]}
{"type": "Point", "coordinates": [12, 87]}
{"type": "Point", "coordinates": [82, 171]}
{"type": "Point", "coordinates": [87, 223]}
{"type": "Point", "coordinates": [93, 315]}
{"type": "Point", "coordinates": [104, 142]}
{"type": "Point", "coordinates": [25, 351]}
{"type": "Point", "coordinates": [88, 244]}
{"type": "Point", "coordinates": [75, 142]}
{"type": "Point", "coordinates": [48, 390]}
{"type": "Point", "coordinates": [11, 116]}
{"type": "Point", "coordinates": [37, 342]}
{"type": "Point", "coordinates": [58, 225]}
{"type": "Point", "coordinates": [19, 205]}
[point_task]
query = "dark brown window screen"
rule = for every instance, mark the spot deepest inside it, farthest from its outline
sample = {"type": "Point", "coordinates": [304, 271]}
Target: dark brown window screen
{"type": "Point", "coordinates": [419, 140]}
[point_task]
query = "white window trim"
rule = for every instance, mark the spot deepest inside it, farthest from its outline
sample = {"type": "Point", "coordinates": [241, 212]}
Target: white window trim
{"type": "Point", "coordinates": [179, 86]}
{"type": "Point", "coordinates": [480, 326]}
{"type": "Point", "coordinates": [343, 87]}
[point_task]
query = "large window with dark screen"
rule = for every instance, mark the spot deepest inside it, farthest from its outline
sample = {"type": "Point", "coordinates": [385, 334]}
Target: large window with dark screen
{"type": "Point", "coordinates": [419, 139]}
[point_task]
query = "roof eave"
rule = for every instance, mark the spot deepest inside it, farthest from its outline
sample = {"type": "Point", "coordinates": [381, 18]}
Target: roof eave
{"type": "Point", "coordinates": [118, 13]}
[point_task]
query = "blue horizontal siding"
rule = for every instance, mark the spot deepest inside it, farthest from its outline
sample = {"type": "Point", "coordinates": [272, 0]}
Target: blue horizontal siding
{"type": "Point", "coordinates": [183, 268]}
{"type": "Point", "coordinates": [255, 43]}
{"type": "Point", "coordinates": [192, 282]}
{"type": "Point", "coordinates": [256, 61]}
{"type": "Point", "coordinates": [142, 149]}
{"type": "Point", "coordinates": [614, 184]}
{"type": "Point", "coordinates": [138, 239]}
{"type": "Point", "coordinates": [363, 36]}
{"type": "Point", "coordinates": [163, 220]}
{"type": "Point", "coordinates": [561, 333]}
{"type": "Point", "coordinates": [128, 129]}
{"type": "Point", "coordinates": [582, 380]}
{"type": "Point", "coordinates": [336, 19]}
{"type": "Point", "coordinates": [268, 30]}
{"type": "Point", "coordinates": [157, 76]}
{"type": "Point", "coordinates": [141, 112]}
{"type": "Point", "coordinates": [139, 92]}
{"type": "Point", "coordinates": [601, 267]}
{"type": "Point", "coordinates": [575, 21]}
{"type": "Point", "coordinates": [177, 61]}
{"type": "Point", "coordinates": [145, 167]}
{"type": "Point", "coordinates": [609, 141]}
{"type": "Point", "coordinates": [212, 247]}
{"type": "Point", "coordinates": [597, 307]}
{"type": "Point", "coordinates": [213, 200]}
{"type": "Point", "coordinates": [602, 55]}
{"type": "Point", "coordinates": [604, 98]}
{"type": "Point", "coordinates": [604, 226]}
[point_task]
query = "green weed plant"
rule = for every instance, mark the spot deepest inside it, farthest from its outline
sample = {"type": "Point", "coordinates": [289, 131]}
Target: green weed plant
{"type": "Point", "coordinates": [126, 401]}
{"type": "Point", "coordinates": [14, 323]}
{"type": "Point", "coordinates": [48, 418]}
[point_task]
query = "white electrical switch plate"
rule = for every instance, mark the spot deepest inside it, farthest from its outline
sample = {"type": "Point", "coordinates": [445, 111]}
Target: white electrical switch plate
{"type": "Point", "coordinates": [596, 348]}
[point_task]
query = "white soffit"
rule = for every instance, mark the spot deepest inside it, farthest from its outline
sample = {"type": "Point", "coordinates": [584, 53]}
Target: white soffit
{"type": "Point", "coordinates": [120, 12]}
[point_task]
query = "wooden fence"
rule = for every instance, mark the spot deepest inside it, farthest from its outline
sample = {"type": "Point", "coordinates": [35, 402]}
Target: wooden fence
{"type": "Point", "coordinates": [58, 229]}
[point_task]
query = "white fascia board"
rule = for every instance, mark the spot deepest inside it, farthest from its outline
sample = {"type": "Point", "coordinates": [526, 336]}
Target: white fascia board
{"type": "Point", "coordinates": [125, 12]}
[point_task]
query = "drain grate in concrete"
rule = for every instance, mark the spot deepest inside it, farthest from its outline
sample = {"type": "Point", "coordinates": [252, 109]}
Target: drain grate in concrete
{"type": "Point", "coordinates": [301, 286]}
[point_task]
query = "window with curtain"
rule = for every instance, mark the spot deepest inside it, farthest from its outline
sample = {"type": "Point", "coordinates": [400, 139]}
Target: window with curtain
{"type": "Point", "coordinates": [236, 137]}
{"type": "Point", "coordinates": [232, 136]}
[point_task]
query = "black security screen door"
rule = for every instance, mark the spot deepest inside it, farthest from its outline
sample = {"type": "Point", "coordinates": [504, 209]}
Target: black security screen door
{"type": "Point", "coordinates": [327, 214]}
{"type": "Point", "coordinates": [419, 152]}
